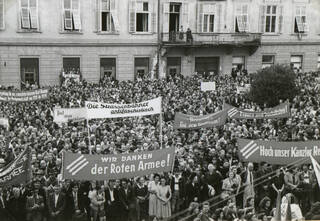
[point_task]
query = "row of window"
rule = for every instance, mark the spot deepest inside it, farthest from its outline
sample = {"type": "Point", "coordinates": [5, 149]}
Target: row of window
{"type": "Point", "coordinates": [296, 62]}
{"type": "Point", "coordinates": [30, 66]}
{"type": "Point", "coordinates": [142, 16]}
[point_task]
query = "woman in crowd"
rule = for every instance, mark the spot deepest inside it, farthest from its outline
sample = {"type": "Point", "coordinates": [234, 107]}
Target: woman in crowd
{"type": "Point", "coordinates": [97, 204]}
{"type": "Point", "coordinates": [265, 206]}
{"type": "Point", "coordinates": [230, 187]}
{"type": "Point", "coordinates": [153, 200]}
{"type": "Point", "coordinates": [141, 193]}
{"type": "Point", "coordinates": [164, 196]}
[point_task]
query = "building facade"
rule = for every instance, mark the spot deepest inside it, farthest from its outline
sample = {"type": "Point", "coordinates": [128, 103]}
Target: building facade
{"type": "Point", "coordinates": [119, 37]}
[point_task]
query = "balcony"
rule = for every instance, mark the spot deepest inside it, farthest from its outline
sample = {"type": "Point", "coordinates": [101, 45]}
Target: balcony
{"type": "Point", "coordinates": [176, 39]}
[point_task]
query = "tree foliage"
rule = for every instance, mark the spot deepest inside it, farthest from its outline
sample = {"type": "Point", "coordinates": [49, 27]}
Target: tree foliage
{"type": "Point", "coordinates": [272, 84]}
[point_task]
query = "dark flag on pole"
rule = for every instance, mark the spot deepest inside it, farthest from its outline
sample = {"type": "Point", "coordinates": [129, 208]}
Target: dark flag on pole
{"type": "Point", "coordinates": [18, 171]}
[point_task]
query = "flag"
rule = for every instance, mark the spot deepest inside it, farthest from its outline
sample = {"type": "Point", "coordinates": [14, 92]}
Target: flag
{"type": "Point", "coordinates": [18, 171]}
{"type": "Point", "coordinates": [316, 168]}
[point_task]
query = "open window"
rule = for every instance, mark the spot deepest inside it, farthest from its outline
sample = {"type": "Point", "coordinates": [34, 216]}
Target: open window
{"type": "Point", "coordinates": [296, 63]}
{"type": "Point", "coordinates": [141, 67]}
{"type": "Point", "coordinates": [241, 18]}
{"type": "Point", "coordinates": [142, 18]}
{"type": "Point", "coordinates": [108, 20]}
{"type": "Point", "coordinates": [29, 70]}
{"type": "Point", "coordinates": [238, 63]}
{"type": "Point", "coordinates": [300, 20]}
{"type": "Point", "coordinates": [207, 65]}
{"type": "Point", "coordinates": [71, 15]}
{"type": "Point", "coordinates": [173, 66]}
{"type": "Point", "coordinates": [29, 19]}
{"type": "Point", "coordinates": [107, 68]}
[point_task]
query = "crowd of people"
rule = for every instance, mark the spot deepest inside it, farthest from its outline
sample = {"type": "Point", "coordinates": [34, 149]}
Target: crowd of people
{"type": "Point", "coordinates": [208, 181]}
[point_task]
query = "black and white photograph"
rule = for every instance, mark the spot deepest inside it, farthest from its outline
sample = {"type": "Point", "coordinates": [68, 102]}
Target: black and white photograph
{"type": "Point", "coordinates": [159, 110]}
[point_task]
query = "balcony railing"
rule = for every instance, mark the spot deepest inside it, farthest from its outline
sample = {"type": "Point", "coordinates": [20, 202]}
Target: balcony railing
{"type": "Point", "coordinates": [211, 38]}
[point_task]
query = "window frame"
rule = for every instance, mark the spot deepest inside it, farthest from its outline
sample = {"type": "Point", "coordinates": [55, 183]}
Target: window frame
{"type": "Point", "coordinates": [21, 27]}
{"type": "Point", "coordinates": [271, 15]}
{"type": "Point", "coordinates": [73, 56]}
{"type": "Point", "coordinates": [301, 62]}
{"type": "Point", "coordinates": [3, 25]}
{"type": "Point", "coordinates": [303, 25]}
{"type": "Point", "coordinates": [149, 14]}
{"type": "Point", "coordinates": [102, 10]}
{"type": "Point", "coordinates": [243, 58]}
{"type": "Point", "coordinates": [109, 57]}
{"type": "Point", "coordinates": [72, 12]}
{"type": "Point", "coordinates": [241, 14]}
{"type": "Point", "coordinates": [208, 23]}
{"type": "Point", "coordinates": [268, 64]}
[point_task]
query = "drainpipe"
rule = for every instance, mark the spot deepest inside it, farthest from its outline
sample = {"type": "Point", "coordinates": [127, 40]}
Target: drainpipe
{"type": "Point", "coordinates": [159, 41]}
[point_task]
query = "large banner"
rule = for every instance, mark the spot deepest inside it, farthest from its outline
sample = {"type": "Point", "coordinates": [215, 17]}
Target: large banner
{"type": "Point", "coordinates": [280, 111]}
{"type": "Point", "coordinates": [274, 152]}
{"type": "Point", "coordinates": [18, 171]}
{"type": "Point", "coordinates": [24, 96]}
{"type": "Point", "coordinates": [97, 110]}
{"type": "Point", "coordinates": [63, 115]}
{"type": "Point", "coordinates": [184, 121]}
{"type": "Point", "coordinates": [102, 167]}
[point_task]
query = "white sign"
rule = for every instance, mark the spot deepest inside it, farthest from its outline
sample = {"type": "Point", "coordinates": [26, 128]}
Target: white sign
{"type": "Point", "coordinates": [208, 86]}
{"type": "Point", "coordinates": [98, 110]}
{"type": "Point", "coordinates": [63, 115]}
{"type": "Point", "coordinates": [4, 121]}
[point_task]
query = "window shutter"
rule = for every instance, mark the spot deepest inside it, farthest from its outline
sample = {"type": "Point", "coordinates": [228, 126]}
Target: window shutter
{"type": "Point", "coordinates": [165, 27]}
{"type": "Point", "coordinates": [262, 23]}
{"type": "Point", "coordinates": [98, 15]}
{"type": "Point", "coordinates": [34, 17]}
{"type": "Point", "coordinates": [153, 13]}
{"type": "Point", "coordinates": [240, 23]}
{"type": "Point", "coordinates": [237, 12]}
{"type": "Point", "coordinates": [305, 24]}
{"type": "Point", "coordinates": [245, 18]}
{"type": "Point", "coordinates": [114, 14]}
{"type": "Point", "coordinates": [76, 19]}
{"type": "Point", "coordinates": [185, 13]}
{"type": "Point", "coordinates": [132, 16]}
{"type": "Point", "coordinates": [219, 17]}
{"type": "Point", "coordinates": [23, 75]}
{"type": "Point", "coordinates": [1, 14]}
{"type": "Point", "coordinates": [200, 17]}
{"type": "Point", "coordinates": [76, 14]}
{"type": "Point", "coordinates": [24, 13]}
{"type": "Point", "coordinates": [280, 17]}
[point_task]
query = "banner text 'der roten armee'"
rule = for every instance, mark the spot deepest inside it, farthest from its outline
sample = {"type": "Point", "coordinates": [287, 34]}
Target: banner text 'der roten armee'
{"type": "Point", "coordinates": [102, 167]}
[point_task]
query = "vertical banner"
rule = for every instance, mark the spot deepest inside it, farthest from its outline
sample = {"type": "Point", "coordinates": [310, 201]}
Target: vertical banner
{"type": "Point", "coordinates": [102, 167]}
